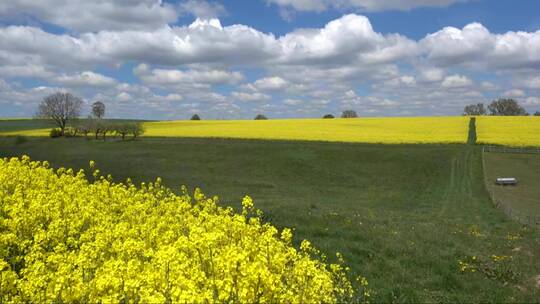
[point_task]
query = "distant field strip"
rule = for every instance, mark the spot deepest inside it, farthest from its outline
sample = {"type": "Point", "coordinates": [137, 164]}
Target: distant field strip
{"type": "Point", "coordinates": [508, 131]}
{"type": "Point", "coordinates": [522, 131]}
{"type": "Point", "coordinates": [363, 130]}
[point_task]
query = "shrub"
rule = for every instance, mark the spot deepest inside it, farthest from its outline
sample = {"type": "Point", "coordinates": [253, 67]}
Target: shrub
{"type": "Point", "coordinates": [19, 140]}
{"type": "Point", "coordinates": [70, 132]}
{"type": "Point", "coordinates": [260, 117]}
{"type": "Point", "coordinates": [55, 133]}
{"type": "Point", "coordinates": [195, 117]}
{"type": "Point", "coordinates": [83, 129]}
{"type": "Point", "coordinates": [65, 239]}
{"type": "Point", "coordinates": [328, 116]}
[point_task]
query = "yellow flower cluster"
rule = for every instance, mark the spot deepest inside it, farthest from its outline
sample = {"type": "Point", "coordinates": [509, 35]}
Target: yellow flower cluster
{"type": "Point", "coordinates": [65, 239]}
{"type": "Point", "coordinates": [498, 258]}
{"type": "Point", "coordinates": [509, 130]}
{"type": "Point", "coordinates": [497, 267]}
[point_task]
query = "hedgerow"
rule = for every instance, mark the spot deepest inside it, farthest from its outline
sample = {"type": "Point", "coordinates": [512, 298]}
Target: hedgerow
{"type": "Point", "coordinates": [64, 238]}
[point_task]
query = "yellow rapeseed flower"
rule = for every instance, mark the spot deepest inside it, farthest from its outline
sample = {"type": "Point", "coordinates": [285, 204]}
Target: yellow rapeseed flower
{"type": "Point", "coordinates": [65, 239]}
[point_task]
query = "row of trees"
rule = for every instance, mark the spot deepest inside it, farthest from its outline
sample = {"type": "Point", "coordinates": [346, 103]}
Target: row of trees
{"type": "Point", "coordinates": [344, 114]}
{"type": "Point", "coordinates": [100, 128]}
{"type": "Point", "coordinates": [63, 108]}
{"type": "Point", "coordinates": [500, 107]}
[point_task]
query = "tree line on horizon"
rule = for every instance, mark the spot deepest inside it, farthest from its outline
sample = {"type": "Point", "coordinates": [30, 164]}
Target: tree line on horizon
{"type": "Point", "coordinates": [62, 107]}
{"type": "Point", "coordinates": [499, 107]}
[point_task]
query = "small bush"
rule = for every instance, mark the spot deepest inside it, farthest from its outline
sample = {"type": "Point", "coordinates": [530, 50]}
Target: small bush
{"type": "Point", "coordinates": [55, 133]}
{"type": "Point", "coordinates": [261, 117]}
{"type": "Point", "coordinates": [328, 116]}
{"type": "Point", "coordinates": [19, 140]}
{"type": "Point", "coordinates": [70, 132]}
{"type": "Point", "coordinates": [195, 117]}
{"type": "Point", "coordinates": [83, 129]}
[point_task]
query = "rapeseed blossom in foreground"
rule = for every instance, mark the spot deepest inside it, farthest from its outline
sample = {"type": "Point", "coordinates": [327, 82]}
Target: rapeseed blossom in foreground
{"type": "Point", "coordinates": [66, 239]}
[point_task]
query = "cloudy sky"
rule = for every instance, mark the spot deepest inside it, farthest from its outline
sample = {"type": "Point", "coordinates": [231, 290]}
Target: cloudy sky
{"type": "Point", "coordinates": [158, 59]}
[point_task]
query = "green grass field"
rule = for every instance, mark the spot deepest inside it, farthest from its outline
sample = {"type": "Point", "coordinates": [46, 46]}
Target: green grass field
{"type": "Point", "coordinates": [402, 215]}
{"type": "Point", "coordinates": [525, 197]}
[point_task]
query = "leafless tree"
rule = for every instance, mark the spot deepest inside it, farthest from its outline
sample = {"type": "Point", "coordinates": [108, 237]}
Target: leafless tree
{"type": "Point", "coordinates": [474, 110]}
{"type": "Point", "coordinates": [506, 107]}
{"type": "Point", "coordinates": [60, 107]}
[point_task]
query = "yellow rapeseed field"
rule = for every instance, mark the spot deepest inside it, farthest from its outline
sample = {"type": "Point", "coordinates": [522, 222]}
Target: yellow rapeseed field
{"type": "Point", "coordinates": [361, 130]}
{"type": "Point", "coordinates": [64, 239]}
{"type": "Point", "coordinates": [508, 130]}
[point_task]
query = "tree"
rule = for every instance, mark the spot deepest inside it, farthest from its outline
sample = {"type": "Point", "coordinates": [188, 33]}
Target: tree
{"type": "Point", "coordinates": [506, 107]}
{"type": "Point", "coordinates": [94, 126]}
{"type": "Point", "coordinates": [105, 128]}
{"type": "Point", "coordinates": [60, 107]}
{"type": "Point", "coordinates": [84, 128]}
{"type": "Point", "coordinates": [474, 110]}
{"type": "Point", "coordinates": [260, 117]}
{"type": "Point", "coordinates": [349, 114]}
{"type": "Point", "coordinates": [195, 117]}
{"type": "Point", "coordinates": [537, 113]}
{"type": "Point", "coordinates": [328, 116]}
{"type": "Point", "coordinates": [136, 129]}
{"type": "Point", "coordinates": [98, 109]}
{"type": "Point", "coordinates": [123, 129]}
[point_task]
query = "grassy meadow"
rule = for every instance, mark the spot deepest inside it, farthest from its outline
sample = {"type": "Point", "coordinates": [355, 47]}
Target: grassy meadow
{"type": "Point", "coordinates": [526, 168]}
{"type": "Point", "coordinates": [404, 216]}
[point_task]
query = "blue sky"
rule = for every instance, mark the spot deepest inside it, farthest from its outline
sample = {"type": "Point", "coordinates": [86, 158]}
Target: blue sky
{"type": "Point", "coordinates": [282, 58]}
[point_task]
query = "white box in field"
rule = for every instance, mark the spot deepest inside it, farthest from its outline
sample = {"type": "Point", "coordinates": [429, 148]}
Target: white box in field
{"type": "Point", "coordinates": [506, 181]}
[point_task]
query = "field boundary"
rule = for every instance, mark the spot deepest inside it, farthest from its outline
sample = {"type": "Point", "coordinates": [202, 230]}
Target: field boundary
{"type": "Point", "coordinates": [499, 149]}
{"type": "Point", "coordinates": [527, 219]}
